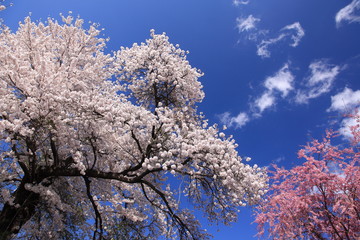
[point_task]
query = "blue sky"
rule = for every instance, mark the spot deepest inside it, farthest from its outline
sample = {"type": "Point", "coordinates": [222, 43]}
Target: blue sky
{"type": "Point", "coordinates": [277, 72]}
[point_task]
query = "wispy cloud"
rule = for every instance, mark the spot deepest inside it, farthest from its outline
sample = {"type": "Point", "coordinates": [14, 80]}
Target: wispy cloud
{"type": "Point", "coordinates": [334, 167]}
{"type": "Point", "coordinates": [278, 84]}
{"type": "Point", "coordinates": [278, 159]}
{"type": "Point", "coordinates": [246, 24]}
{"type": "Point", "coordinates": [266, 100]}
{"type": "Point", "coordinates": [237, 121]}
{"type": "Point", "coordinates": [345, 101]}
{"type": "Point", "coordinates": [240, 2]}
{"type": "Point", "coordinates": [319, 81]}
{"type": "Point", "coordinates": [282, 85]}
{"type": "Point", "coordinates": [281, 82]}
{"type": "Point", "coordinates": [263, 47]}
{"type": "Point", "coordinates": [350, 13]}
{"type": "Point", "coordinates": [293, 31]}
{"type": "Point", "coordinates": [299, 33]}
{"type": "Point", "coordinates": [345, 127]}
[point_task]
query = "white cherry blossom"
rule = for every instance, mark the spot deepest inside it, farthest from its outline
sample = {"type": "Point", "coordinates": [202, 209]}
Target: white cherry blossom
{"type": "Point", "coordinates": [91, 141]}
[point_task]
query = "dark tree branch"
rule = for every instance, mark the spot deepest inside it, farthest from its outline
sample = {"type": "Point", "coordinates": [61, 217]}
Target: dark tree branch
{"type": "Point", "coordinates": [183, 228]}
{"type": "Point", "coordinates": [98, 219]}
{"type": "Point", "coordinates": [14, 216]}
{"type": "Point", "coordinates": [54, 152]}
{"type": "Point", "coordinates": [137, 142]}
{"type": "Point", "coordinates": [94, 150]}
{"type": "Point", "coordinates": [328, 213]}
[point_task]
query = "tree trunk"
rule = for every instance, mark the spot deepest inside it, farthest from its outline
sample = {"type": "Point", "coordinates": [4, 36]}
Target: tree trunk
{"type": "Point", "coordinates": [14, 216]}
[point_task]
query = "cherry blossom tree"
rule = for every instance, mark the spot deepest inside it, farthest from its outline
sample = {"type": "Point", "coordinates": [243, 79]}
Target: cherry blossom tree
{"type": "Point", "coordinates": [103, 146]}
{"type": "Point", "coordinates": [319, 199]}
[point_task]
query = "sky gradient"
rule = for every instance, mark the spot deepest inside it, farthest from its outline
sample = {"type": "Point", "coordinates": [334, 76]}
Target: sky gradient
{"type": "Point", "coordinates": [277, 72]}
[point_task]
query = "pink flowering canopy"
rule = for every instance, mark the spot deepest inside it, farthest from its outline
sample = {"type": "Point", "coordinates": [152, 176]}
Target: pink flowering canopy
{"type": "Point", "coordinates": [90, 141]}
{"type": "Point", "coordinates": [319, 199]}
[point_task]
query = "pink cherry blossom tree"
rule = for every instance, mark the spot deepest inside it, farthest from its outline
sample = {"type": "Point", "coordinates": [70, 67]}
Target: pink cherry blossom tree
{"type": "Point", "coordinates": [319, 199]}
{"type": "Point", "coordinates": [101, 146]}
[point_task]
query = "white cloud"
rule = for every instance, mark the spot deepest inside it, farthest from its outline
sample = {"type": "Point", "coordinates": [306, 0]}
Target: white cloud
{"type": "Point", "coordinates": [299, 33]}
{"type": "Point", "coordinates": [350, 13]}
{"type": "Point", "coordinates": [239, 2]}
{"type": "Point", "coordinates": [262, 48]}
{"type": "Point", "coordinates": [319, 82]}
{"type": "Point", "coordinates": [278, 160]}
{"type": "Point", "coordinates": [335, 168]}
{"type": "Point", "coordinates": [345, 129]}
{"type": "Point", "coordinates": [266, 100]}
{"type": "Point", "coordinates": [257, 35]}
{"type": "Point", "coordinates": [345, 101]}
{"type": "Point", "coordinates": [281, 81]}
{"type": "Point", "coordinates": [322, 72]}
{"type": "Point", "coordinates": [293, 31]}
{"type": "Point", "coordinates": [234, 121]}
{"type": "Point", "coordinates": [240, 120]}
{"type": "Point", "coordinates": [225, 118]}
{"type": "Point", "coordinates": [246, 24]}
